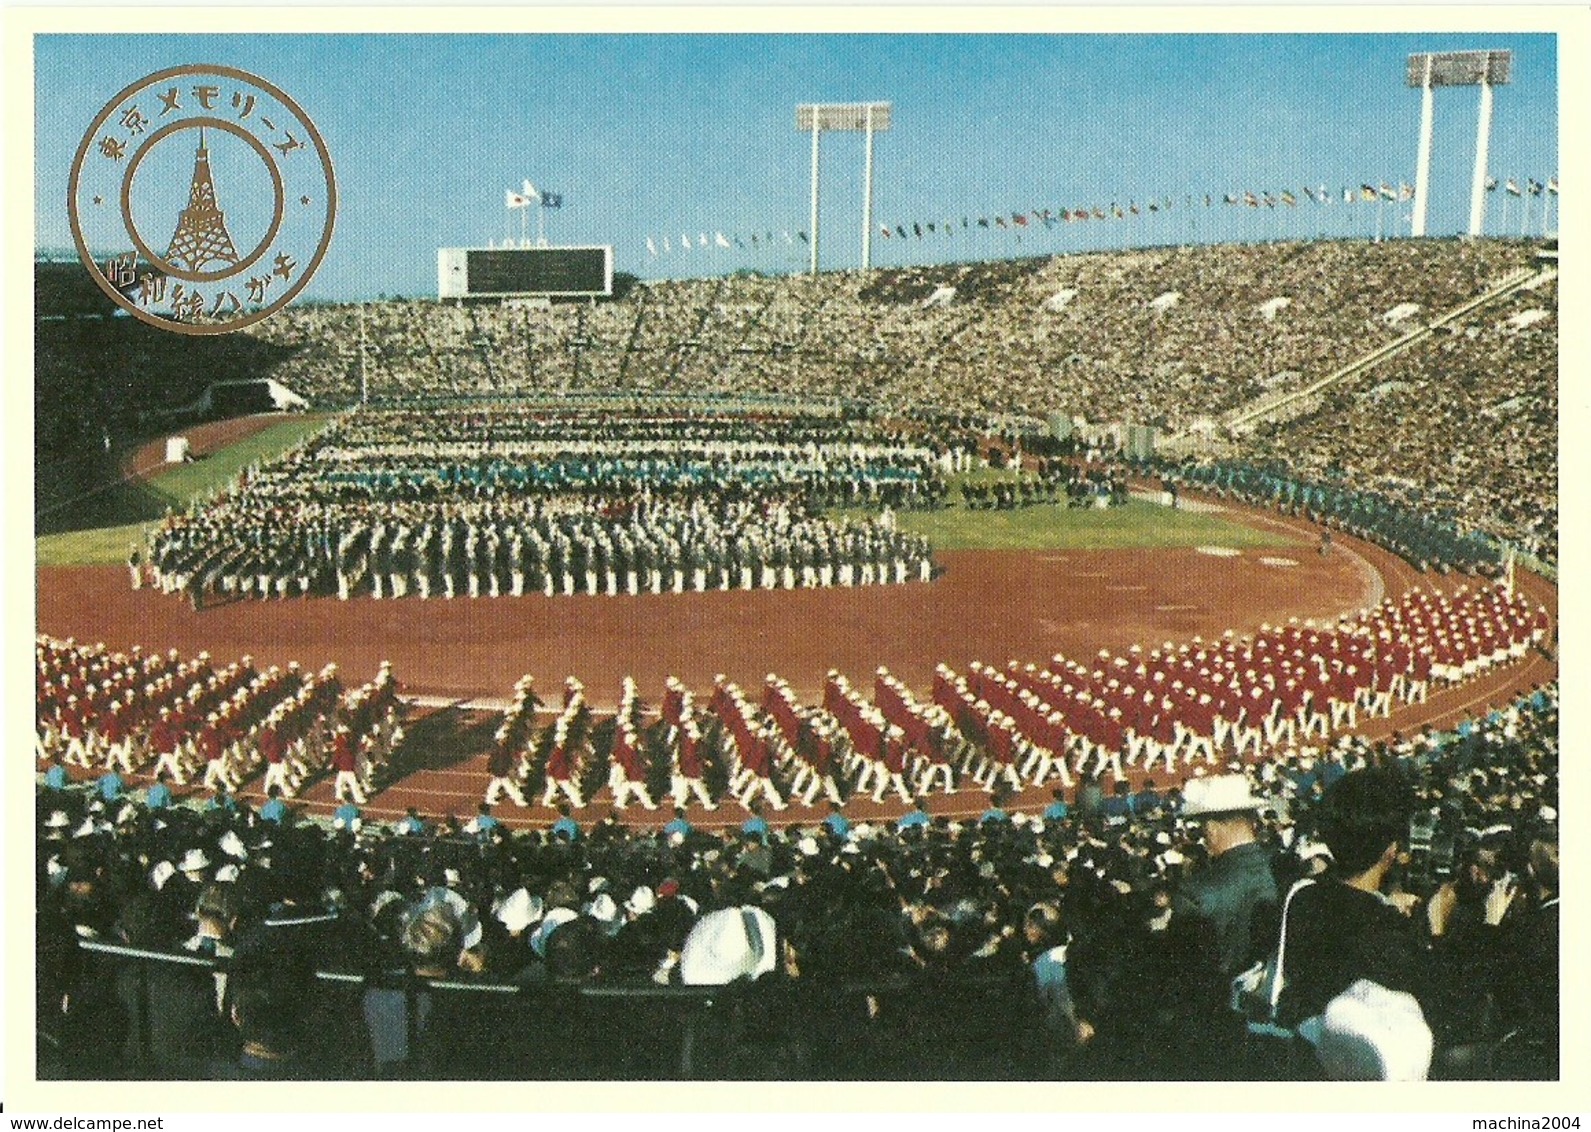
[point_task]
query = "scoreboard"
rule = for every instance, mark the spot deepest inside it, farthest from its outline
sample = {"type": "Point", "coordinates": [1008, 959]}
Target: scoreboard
{"type": "Point", "coordinates": [466, 273]}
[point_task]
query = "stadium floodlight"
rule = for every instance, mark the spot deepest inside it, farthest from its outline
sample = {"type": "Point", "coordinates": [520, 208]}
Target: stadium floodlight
{"type": "Point", "coordinates": [1429, 70]}
{"type": "Point", "coordinates": [846, 117]}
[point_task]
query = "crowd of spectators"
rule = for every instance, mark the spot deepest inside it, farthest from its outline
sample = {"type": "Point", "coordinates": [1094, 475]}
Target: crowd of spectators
{"type": "Point", "coordinates": [1001, 344]}
{"type": "Point", "coordinates": [1162, 337]}
{"type": "Point", "coordinates": [1166, 338]}
{"type": "Point", "coordinates": [1093, 941]}
{"type": "Point", "coordinates": [1462, 427]}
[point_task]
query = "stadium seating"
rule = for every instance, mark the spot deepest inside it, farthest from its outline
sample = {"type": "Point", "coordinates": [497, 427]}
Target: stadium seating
{"type": "Point", "coordinates": [1000, 346]}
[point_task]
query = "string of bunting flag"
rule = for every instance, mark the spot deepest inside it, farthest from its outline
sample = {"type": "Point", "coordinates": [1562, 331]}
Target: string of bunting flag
{"type": "Point", "coordinates": [717, 239]}
{"type": "Point", "coordinates": [664, 245]}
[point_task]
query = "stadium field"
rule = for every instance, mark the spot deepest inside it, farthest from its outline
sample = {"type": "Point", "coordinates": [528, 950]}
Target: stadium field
{"type": "Point", "coordinates": [97, 546]}
{"type": "Point", "coordinates": [1139, 525]}
{"type": "Point", "coordinates": [216, 469]}
{"type": "Point", "coordinates": [223, 450]}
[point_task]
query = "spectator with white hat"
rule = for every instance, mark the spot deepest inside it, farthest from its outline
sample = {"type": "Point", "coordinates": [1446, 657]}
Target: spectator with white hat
{"type": "Point", "coordinates": [1235, 892]}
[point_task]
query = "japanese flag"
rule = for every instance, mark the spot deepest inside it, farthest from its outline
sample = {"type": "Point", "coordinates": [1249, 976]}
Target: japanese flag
{"type": "Point", "coordinates": [516, 200]}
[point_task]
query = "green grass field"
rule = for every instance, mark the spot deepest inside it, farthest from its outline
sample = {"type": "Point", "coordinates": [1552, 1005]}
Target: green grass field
{"type": "Point", "coordinates": [190, 481]}
{"type": "Point", "coordinates": [100, 546]}
{"type": "Point", "coordinates": [1046, 527]}
{"type": "Point", "coordinates": [107, 545]}
{"type": "Point", "coordinates": [1137, 525]}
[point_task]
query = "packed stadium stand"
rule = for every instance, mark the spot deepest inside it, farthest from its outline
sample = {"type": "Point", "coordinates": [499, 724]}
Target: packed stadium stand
{"type": "Point", "coordinates": [1464, 423]}
{"type": "Point", "coordinates": [1167, 338]}
{"type": "Point", "coordinates": [999, 345]}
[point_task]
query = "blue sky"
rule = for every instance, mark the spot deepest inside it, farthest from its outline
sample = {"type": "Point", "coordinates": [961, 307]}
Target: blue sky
{"type": "Point", "coordinates": [654, 135]}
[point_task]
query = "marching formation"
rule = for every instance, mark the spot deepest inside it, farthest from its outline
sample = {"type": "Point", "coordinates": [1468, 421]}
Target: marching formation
{"type": "Point", "coordinates": [187, 720]}
{"type": "Point", "coordinates": [1236, 698]}
{"type": "Point", "coordinates": [1170, 708]}
{"type": "Point", "coordinates": [489, 505]}
{"type": "Point", "coordinates": [1421, 539]}
{"type": "Point", "coordinates": [1247, 698]}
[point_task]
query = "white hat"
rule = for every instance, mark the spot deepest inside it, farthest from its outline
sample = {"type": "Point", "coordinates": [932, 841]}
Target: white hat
{"type": "Point", "coordinates": [1370, 1033]}
{"type": "Point", "coordinates": [469, 923]}
{"type": "Point", "coordinates": [383, 900]}
{"type": "Point", "coordinates": [605, 911]}
{"type": "Point", "coordinates": [1218, 794]}
{"type": "Point", "coordinates": [1308, 849]}
{"type": "Point", "coordinates": [727, 945]}
{"type": "Point", "coordinates": [161, 873]}
{"type": "Point", "coordinates": [555, 918]}
{"type": "Point", "coordinates": [641, 901]}
{"type": "Point", "coordinates": [58, 820]}
{"type": "Point", "coordinates": [518, 910]}
{"type": "Point", "coordinates": [232, 845]}
{"type": "Point", "coordinates": [226, 874]}
{"type": "Point", "coordinates": [194, 861]}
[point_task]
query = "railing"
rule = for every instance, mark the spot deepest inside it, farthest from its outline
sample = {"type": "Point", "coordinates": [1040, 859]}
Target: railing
{"type": "Point", "coordinates": [621, 400]}
{"type": "Point", "coordinates": [776, 1028]}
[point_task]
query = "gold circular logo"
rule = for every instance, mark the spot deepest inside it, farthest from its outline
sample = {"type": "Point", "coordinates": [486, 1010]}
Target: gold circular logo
{"type": "Point", "coordinates": [202, 199]}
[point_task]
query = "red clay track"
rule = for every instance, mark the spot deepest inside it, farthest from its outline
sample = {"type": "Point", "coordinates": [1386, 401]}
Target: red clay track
{"type": "Point", "coordinates": [988, 605]}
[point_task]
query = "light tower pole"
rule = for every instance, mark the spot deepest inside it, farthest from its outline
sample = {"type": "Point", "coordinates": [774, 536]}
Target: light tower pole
{"type": "Point", "coordinates": [813, 222]}
{"type": "Point", "coordinates": [1422, 168]}
{"type": "Point", "coordinates": [1429, 70]}
{"type": "Point", "coordinates": [1483, 138]}
{"type": "Point", "coordinates": [867, 191]}
{"type": "Point", "coordinates": [859, 117]}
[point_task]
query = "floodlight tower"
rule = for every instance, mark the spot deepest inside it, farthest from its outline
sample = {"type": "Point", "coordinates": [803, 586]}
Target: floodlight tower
{"type": "Point", "coordinates": [1429, 70]}
{"type": "Point", "coordinates": [848, 117]}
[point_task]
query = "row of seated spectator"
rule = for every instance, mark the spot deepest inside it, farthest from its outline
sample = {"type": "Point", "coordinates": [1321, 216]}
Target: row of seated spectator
{"type": "Point", "coordinates": [1082, 943]}
{"type": "Point", "coordinates": [1463, 425]}
{"type": "Point", "coordinates": [1122, 346]}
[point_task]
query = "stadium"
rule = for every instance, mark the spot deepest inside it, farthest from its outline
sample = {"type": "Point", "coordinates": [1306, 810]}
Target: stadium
{"type": "Point", "coordinates": [939, 671]}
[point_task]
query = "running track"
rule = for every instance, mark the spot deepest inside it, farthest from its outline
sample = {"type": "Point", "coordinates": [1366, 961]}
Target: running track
{"type": "Point", "coordinates": [988, 605]}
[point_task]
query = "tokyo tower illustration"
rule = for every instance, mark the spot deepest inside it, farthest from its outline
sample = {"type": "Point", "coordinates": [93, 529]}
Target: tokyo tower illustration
{"type": "Point", "coordinates": [201, 236]}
